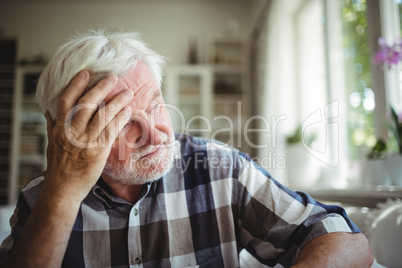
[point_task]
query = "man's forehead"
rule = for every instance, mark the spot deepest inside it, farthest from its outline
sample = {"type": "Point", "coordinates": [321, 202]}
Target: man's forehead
{"type": "Point", "coordinates": [134, 80]}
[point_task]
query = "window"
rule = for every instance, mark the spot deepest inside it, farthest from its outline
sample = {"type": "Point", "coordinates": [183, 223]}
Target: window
{"type": "Point", "coordinates": [334, 74]}
{"type": "Point", "coordinates": [319, 58]}
{"type": "Point", "coordinates": [335, 65]}
{"type": "Point", "coordinates": [358, 80]}
{"type": "Point", "coordinates": [391, 18]}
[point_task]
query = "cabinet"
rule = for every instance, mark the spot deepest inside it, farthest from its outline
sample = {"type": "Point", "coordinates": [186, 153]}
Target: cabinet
{"type": "Point", "coordinates": [8, 49]}
{"type": "Point", "coordinates": [214, 96]}
{"type": "Point", "coordinates": [29, 129]}
{"type": "Point", "coordinates": [189, 93]}
{"type": "Point", "coordinates": [228, 56]}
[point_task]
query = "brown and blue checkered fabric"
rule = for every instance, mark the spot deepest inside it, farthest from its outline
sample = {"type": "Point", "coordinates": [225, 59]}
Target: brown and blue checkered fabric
{"type": "Point", "coordinates": [213, 203]}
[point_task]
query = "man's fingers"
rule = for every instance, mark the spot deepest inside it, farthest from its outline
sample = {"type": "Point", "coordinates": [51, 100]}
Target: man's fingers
{"type": "Point", "coordinates": [80, 112]}
{"type": "Point", "coordinates": [88, 104]}
{"type": "Point", "coordinates": [111, 132]}
{"type": "Point", "coordinates": [107, 113]}
{"type": "Point", "coordinates": [72, 93]}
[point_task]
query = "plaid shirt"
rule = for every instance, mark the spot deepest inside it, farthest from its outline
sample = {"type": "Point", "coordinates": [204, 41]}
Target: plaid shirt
{"type": "Point", "coordinates": [212, 204]}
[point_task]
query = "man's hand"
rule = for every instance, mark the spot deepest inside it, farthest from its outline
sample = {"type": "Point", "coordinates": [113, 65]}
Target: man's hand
{"type": "Point", "coordinates": [81, 138]}
{"type": "Point", "coordinates": [80, 141]}
{"type": "Point", "coordinates": [336, 250]}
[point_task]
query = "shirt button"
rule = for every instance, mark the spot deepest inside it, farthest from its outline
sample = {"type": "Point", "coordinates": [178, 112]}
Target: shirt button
{"type": "Point", "coordinates": [138, 260]}
{"type": "Point", "coordinates": [135, 212]}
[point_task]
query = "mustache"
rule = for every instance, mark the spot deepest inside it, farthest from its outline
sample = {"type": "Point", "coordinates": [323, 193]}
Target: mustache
{"type": "Point", "coordinates": [147, 149]}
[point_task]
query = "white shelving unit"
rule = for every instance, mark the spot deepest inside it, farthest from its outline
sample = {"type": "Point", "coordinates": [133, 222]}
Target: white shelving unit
{"type": "Point", "coordinates": [29, 128]}
{"type": "Point", "coordinates": [8, 52]}
{"type": "Point", "coordinates": [188, 93]}
{"type": "Point", "coordinates": [229, 58]}
{"type": "Point", "coordinates": [217, 91]}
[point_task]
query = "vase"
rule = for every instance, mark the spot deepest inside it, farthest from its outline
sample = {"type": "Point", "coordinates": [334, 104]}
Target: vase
{"type": "Point", "coordinates": [394, 166]}
{"type": "Point", "coordinates": [303, 169]}
{"type": "Point", "coordinates": [375, 172]}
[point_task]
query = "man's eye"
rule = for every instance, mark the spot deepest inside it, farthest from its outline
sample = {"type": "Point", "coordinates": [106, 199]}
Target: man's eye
{"type": "Point", "coordinates": [155, 107]}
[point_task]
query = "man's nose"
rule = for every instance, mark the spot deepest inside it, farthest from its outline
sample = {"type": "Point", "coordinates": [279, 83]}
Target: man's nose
{"type": "Point", "coordinates": [144, 132]}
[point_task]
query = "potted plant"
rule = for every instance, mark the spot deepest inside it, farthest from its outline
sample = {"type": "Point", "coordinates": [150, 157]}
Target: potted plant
{"type": "Point", "coordinates": [389, 57]}
{"type": "Point", "coordinates": [302, 168]}
{"type": "Point", "coordinates": [375, 171]}
{"type": "Point", "coordinates": [394, 161]}
{"type": "Point", "coordinates": [297, 137]}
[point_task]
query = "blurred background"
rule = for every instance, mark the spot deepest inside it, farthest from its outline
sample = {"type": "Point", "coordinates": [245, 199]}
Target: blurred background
{"type": "Point", "coordinates": [305, 87]}
{"type": "Point", "coordinates": [291, 83]}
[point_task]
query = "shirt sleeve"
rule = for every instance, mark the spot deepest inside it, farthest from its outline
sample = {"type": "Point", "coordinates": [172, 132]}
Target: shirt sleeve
{"type": "Point", "coordinates": [275, 222]}
{"type": "Point", "coordinates": [17, 223]}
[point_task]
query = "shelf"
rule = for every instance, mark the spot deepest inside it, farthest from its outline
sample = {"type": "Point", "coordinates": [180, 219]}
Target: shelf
{"type": "Point", "coordinates": [3, 192]}
{"type": "Point", "coordinates": [6, 129]}
{"type": "Point", "coordinates": [5, 144]}
{"type": "Point", "coordinates": [189, 100]}
{"type": "Point", "coordinates": [212, 90]}
{"type": "Point", "coordinates": [228, 51]}
{"type": "Point", "coordinates": [33, 159]}
{"type": "Point", "coordinates": [5, 112]}
{"type": "Point", "coordinates": [228, 99]}
{"type": "Point", "coordinates": [4, 68]}
{"type": "Point", "coordinates": [4, 160]}
{"type": "Point", "coordinates": [228, 68]}
{"type": "Point", "coordinates": [30, 100]}
{"type": "Point", "coordinates": [6, 97]}
{"type": "Point", "coordinates": [6, 82]}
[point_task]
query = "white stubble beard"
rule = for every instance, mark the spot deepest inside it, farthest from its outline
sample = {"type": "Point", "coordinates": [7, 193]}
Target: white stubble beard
{"type": "Point", "coordinates": [141, 171]}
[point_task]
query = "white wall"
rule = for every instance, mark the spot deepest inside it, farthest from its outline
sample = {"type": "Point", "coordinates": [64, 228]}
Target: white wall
{"type": "Point", "coordinates": [167, 25]}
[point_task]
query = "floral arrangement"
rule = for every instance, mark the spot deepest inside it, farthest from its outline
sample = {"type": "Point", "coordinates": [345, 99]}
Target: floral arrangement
{"type": "Point", "coordinates": [388, 56]}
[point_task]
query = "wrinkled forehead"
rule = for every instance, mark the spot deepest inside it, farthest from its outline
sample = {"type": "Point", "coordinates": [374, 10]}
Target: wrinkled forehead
{"type": "Point", "coordinates": [135, 80]}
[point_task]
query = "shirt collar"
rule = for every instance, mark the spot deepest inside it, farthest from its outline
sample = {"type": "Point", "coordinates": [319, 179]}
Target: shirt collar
{"type": "Point", "coordinates": [111, 200]}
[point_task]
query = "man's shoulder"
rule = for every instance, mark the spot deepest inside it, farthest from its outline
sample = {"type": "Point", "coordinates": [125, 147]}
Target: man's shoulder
{"type": "Point", "coordinates": [198, 154]}
{"type": "Point", "coordinates": [190, 145]}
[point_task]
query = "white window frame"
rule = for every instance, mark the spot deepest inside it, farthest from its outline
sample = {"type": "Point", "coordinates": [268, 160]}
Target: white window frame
{"type": "Point", "coordinates": [386, 84]}
{"type": "Point", "coordinates": [390, 29]}
{"type": "Point", "coordinates": [335, 81]}
{"type": "Point", "coordinates": [379, 18]}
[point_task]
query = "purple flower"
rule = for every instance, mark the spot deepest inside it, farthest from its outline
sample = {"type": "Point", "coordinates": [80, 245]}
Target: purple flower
{"type": "Point", "coordinates": [382, 42]}
{"type": "Point", "coordinates": [388, 56]}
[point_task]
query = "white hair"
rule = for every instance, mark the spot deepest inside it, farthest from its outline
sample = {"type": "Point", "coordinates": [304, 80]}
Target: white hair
{"type": "Point", "coordinates": [101, 53]}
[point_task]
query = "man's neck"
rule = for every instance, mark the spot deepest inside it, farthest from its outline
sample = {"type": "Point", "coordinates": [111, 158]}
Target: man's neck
{"type": "Point", "coordinates": [131, 193]}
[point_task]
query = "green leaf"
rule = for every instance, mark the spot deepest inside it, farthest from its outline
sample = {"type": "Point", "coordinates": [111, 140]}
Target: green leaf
{"type": "Point", "coordinates": [396, 129]}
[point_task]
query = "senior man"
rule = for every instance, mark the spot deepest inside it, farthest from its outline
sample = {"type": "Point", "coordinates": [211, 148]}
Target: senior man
{"type": "Point", "coordinates": [121, 191]}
